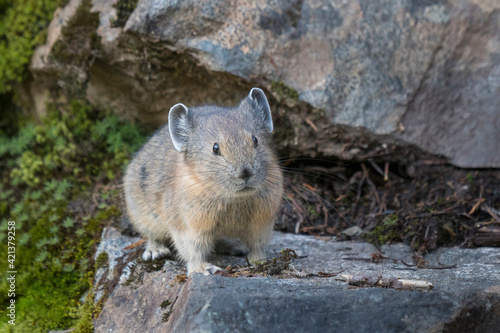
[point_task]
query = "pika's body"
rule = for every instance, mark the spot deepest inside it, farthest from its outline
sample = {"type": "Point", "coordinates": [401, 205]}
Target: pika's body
{"type": "Point", "coordinates": [209, 174]}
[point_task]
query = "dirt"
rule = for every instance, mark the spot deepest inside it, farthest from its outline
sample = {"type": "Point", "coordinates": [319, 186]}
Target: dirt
{"type": "Point", "coordinates": [420, 200]}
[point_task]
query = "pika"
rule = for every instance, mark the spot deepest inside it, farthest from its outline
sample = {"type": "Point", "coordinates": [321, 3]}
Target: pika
{"type": "Point", "coordinates": [210, 173]}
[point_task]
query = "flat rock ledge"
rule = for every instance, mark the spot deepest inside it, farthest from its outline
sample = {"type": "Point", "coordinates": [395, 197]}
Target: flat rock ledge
{"type": "Point", "coordinates": [158, 298]}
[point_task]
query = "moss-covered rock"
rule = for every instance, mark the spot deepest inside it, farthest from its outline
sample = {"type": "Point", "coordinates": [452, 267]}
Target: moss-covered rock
{"type": "Point", "coordinates": [284, 91]}
{"type": "Point", "coordinates": [75, 49]}
{"type": "Point", "coordinates": [58, 186]}
{"type": "Point", "coordinates": [123, 10]}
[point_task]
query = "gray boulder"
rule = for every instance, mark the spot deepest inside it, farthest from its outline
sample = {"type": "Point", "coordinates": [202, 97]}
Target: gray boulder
{"type": "Point", "coordinates": [410, 72]}
{"type": "Point", "coordinates": [465, 294]}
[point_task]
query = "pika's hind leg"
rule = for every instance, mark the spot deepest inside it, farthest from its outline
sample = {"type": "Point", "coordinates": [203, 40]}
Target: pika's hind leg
{"type": "Point", "coordinates": [155, 250]}
{"type": "Point", "coordinates": [256, 240]}
{"type": "Point", "coordinates": [193, 248]}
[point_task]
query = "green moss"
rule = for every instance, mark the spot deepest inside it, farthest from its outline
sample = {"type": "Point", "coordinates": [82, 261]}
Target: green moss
{"type": "Point", "coordinates": [71, 144]}
{"type": "Point", "coordinates": [102, 260]}
{"type": "Point", "coordinates": [311, 210]}
{"type": "Point", "coordinates": [387, 230]}
{"type": "Point", "coordinates": [164, 304]}
{"type": "Point", "coordinates": [123, 10]}
{"type": "Point", "coordinates": [49, 174]}
{"type": "Point", "coordinates": [470, 178]}
{"type": "Point", "coordinates": [87, 313]}
{"type": "Point", "coordinates": [276, 265]}
{"type": "Point", "coordinates": [284, 91]}
{"type": "Point", "coordinates": [22, 28]}
{"type": "Point", "coordinates": [166, 316]}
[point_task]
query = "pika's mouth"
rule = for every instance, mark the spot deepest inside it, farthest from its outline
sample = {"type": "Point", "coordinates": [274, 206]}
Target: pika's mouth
{"type": "Point", "coordinates": [244, 191]}
{"type": "Point", "coordinates": [247, 189]}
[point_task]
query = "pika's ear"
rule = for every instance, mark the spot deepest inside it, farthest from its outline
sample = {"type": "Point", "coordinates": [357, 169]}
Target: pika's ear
{"type": "Point", "coordinates": [178, 125]}
{"type": "Point", "coordinates": [261, 106]}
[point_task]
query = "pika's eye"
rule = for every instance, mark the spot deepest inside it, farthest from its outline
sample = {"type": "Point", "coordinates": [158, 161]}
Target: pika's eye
{"type": "Point", "coordinates": [255, 141]}
{"type": "Point", "coordinates": [216, 149]}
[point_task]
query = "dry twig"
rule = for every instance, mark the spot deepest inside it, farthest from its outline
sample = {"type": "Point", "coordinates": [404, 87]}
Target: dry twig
{"type": "Point", "coordinates": [136, 244]}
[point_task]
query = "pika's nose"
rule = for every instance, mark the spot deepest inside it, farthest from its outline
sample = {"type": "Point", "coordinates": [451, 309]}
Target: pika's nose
{"type": "Point", "coordinates": [245, 174]}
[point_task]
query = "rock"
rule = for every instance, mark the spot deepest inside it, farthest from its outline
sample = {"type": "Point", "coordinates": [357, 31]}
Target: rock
{"type": "Point", "coordinates": [423, 73]}
{"type": "Point", "coordinates": [352, 232]}
{"type": "Point", "coordinates": [217, 304]}
{"type": "Point", "coordinates": [40, 60]}
{"type": "Point", "coordinates": [465, 296]}
{"type": "Point", "coordinates": [137, 308]}
{"type": "Point", "coordinates": [111, 250]}
{"type": "Point", "coordinates": [43, 69]}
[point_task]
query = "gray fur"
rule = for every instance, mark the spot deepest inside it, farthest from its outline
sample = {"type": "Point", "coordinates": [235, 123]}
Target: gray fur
{"type": "Point", "coordinates": [178, 190]}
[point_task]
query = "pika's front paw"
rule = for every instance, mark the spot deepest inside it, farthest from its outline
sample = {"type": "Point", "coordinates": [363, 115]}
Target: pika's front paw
{"type": "Point", "coordinates": [211, 269]}
{"type": "Point", "coordinates": [205, 269]}
{"type": "Point", "coordinates": [155, 251]}
{"type": "Point", "coordinates": [156, 254]}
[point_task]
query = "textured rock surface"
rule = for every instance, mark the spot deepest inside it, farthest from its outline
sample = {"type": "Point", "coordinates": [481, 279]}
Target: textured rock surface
{"type": "Point", "coordinates": [426, 72]}
{"type": "Point", "coordinates": [113, 248]}
{"type": "Point", "coordinates": [466, 297]}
